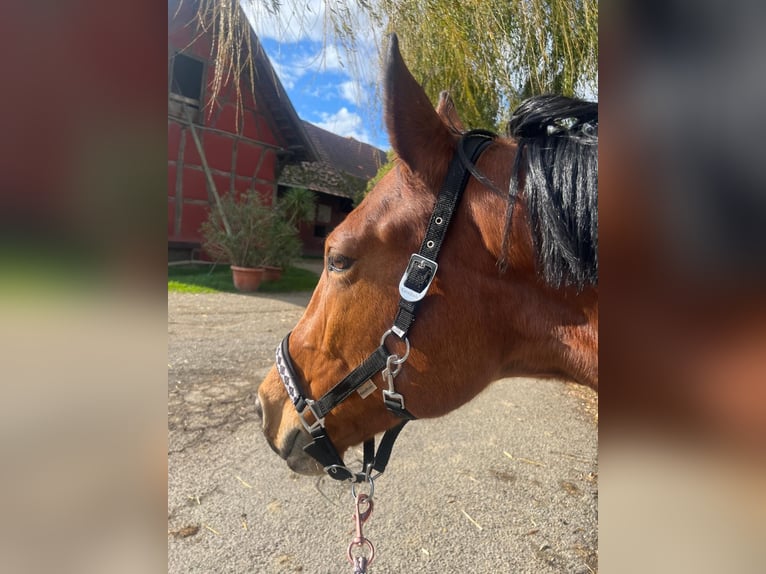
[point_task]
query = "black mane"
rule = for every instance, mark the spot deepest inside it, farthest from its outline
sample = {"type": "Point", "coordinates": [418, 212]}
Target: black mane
{"type": "Point", "coordinates": [557, 161]}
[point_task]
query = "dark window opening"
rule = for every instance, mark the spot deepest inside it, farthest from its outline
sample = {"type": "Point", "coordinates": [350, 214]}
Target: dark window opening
{"type": "Point", "coordinates": [346, 205]}
{"type": "Point", "coordinates": [320, 231]}
{"type": "Point", "coordinates": [186, 79]}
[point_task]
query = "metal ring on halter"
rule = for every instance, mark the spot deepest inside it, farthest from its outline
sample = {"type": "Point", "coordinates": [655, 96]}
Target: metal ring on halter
{"type": "Point", "coordinates": [398, 360]}
{"type": "Point", "coordinates": [369, 481]}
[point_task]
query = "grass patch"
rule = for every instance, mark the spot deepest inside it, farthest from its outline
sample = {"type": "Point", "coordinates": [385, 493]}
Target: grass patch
{"type": "Point", "coordinates": [197, 278]}
{"type": "Point", "coordinates": [293, 279]}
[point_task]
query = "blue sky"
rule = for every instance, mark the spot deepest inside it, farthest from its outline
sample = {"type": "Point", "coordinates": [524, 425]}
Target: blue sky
{"type": "Point", "coordinates": [316, 78]}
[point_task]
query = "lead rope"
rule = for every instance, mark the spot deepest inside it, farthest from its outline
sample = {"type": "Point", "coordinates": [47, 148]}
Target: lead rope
{"type": "Point", "coordinates": [361, 552]}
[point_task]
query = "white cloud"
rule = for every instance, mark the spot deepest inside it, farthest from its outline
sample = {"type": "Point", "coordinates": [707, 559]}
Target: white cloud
{"type": "Point", "coordinates": [295, 21]}
{"type": "Point", "coordinates": [305, 20]}
{"type": "Point", "coordinates": [287, 73]}
{"type": "Point", "coordinates": [324, 92]}
{"type": "Point", "coordinates": [293, 61]}
{"type": "Point", "coordinates": [325, 59]}
{"type": "Point", "coordinates": [349, 91]}
{"type": "Point", "coordinates": [344, 123]}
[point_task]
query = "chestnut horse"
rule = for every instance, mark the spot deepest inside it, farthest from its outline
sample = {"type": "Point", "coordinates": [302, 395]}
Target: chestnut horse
{"type": "Point", "coordinates": [515, 293]}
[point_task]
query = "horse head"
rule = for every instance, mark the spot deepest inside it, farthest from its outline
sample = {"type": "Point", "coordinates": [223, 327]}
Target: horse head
{"type": "Point", "coordinates": [490, 312]}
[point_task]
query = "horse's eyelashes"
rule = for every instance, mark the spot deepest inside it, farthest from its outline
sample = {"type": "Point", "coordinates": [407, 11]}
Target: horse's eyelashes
{"type": "Point", "coordinates": [338, 262]}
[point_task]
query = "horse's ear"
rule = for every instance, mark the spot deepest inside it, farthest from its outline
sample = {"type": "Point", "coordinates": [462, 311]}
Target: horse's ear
{"type": "Point", "coordinates": [418, 135]}
{"type": "Point", "coordinates": [448, 113]}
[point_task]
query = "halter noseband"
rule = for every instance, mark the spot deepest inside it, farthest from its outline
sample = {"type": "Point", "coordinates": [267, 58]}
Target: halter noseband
{"type": "Point", "coordinates": [413, 287]}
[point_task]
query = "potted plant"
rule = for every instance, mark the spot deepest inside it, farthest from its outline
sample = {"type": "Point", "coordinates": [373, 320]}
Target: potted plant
{"type": "Point", "coordinates": [282, 247]}
{"type": "Point", "coordinates": [238, 233]}
{"type": "Point", "coordinates": [283, 242]}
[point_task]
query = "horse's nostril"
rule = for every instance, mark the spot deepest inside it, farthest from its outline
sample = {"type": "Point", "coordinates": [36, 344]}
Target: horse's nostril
{"type": "Point", "coordinates": [258, 409]}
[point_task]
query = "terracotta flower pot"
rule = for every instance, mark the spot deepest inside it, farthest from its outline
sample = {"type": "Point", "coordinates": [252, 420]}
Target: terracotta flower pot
{"type": "Point", "coordinates": [272, 273]}
{"type": "Point", "coordinates": [247, 278]}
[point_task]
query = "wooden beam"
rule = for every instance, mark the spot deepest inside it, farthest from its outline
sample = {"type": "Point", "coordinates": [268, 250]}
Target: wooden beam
{"type": "Point", "coordinates": [206, 169]}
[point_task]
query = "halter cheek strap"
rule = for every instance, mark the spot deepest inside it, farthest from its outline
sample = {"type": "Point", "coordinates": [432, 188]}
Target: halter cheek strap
{"type": "Point", "coordinates": [413, 287]}
{"type": "Point", "coordinates": [422, 267]}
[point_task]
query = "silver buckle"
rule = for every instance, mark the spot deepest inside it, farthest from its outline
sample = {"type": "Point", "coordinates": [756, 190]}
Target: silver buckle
{"type": "Point", "coordinates": [422, 262]}
{"type": "Point", "coordinates": [318, 423]}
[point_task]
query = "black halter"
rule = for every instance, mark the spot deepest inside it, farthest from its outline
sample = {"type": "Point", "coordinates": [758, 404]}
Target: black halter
{"type": "Point", "coordinates": [413, 287]}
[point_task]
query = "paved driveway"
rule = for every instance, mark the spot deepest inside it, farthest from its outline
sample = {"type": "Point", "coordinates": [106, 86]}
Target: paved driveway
{"type": "Point", "coordinates": [507, 483]}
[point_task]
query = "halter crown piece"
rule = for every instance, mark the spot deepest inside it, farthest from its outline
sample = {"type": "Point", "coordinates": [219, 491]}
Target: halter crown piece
{"type": "Point", "coordinates": [413, 287]}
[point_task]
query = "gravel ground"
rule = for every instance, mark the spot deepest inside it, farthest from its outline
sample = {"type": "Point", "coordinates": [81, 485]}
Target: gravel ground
{"type": "Point", "coordinates": [507, 483]}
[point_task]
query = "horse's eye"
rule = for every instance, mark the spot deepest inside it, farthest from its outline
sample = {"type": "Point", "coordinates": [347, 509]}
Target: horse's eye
{"type": "Point", "coordinates": [337, 262]}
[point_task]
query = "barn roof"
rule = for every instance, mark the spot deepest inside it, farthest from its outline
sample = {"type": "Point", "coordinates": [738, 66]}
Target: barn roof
{"type": "Point", "coordinates": [272, 93]}
{"type": "Point", "coordinates": [343, 168]}
{"type": "Point", "coordinates": [345, 153]}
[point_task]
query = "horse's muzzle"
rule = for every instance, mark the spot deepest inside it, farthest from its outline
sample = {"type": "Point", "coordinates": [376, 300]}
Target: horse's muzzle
{"type": "Point", "coordinates": [258, 410]}
{"type": "Point", "coordinates": [297, 459]}
{"type": "Point", "coordinates": [283, 431]}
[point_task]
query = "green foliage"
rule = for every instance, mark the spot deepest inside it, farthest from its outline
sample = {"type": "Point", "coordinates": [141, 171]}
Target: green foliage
{"type": "Point", "coordinates": [383, 170]}
{"type": "Point", "coordinates": [259, 233]}
{"type": "Point", "coordinates": [297, 205]}
{"type": "Point", "coordinates": [492, 54]}
{"type": "Point", "coordinates": [249, 220]}
{"type": "Point", "coordinates": [283, 246]}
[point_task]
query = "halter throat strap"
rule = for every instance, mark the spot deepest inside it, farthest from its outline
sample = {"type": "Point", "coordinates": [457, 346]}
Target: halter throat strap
{"type": "Point", "coordinates": [413, 287]}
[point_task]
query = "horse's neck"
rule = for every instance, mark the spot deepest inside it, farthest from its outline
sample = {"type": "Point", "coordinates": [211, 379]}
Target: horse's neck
{"type": "Point", "coordinates": [543, 331]}
{"type": "Point", "coordinates": [552, 333]}
{"type": "Point", "coordinates": [580, 344]}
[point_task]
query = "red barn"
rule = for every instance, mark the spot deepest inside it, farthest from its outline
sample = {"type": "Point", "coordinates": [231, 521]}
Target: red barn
{"type": "Point", "coordinates": [210, 146]}
{"type": "Point", "coordinates": [206, 142]}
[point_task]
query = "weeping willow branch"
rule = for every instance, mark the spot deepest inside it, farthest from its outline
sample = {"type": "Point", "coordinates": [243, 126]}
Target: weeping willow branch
{"type": "Point", "coordinates": [490, 53]}
{"type": "Point", "coordinates": [231, 49]}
